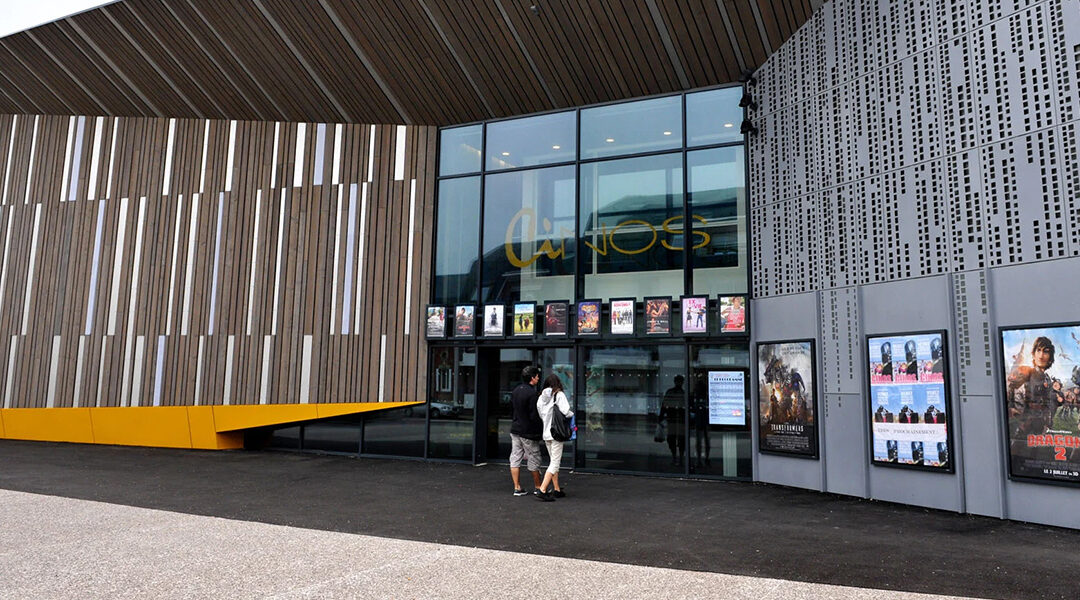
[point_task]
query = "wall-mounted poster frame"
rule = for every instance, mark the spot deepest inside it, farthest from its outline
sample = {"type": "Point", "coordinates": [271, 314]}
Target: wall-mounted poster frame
{"type": "Point", "coordinates": [587, 318]}
{"type": "Point", "coordinates": [621, 315]}
{"type": "Point", "coordinates": [557, 318]}
{"type": "Point", "coordinates": [524, 319]}
{"type": "Point", "coordinates": [783, 429]}
{"type": "Point", "coordinates": [694, 315]}
{"type": "Point", "coordinates": [1041, 398]}
{"type": "Point", "coordinates": [493, 321]}
{"type": "Point", "coordinates": [465, 321]}
{"type": "Point", "coordinates": [657, 315]}
{"type": "Point", "coordinates": [435, 323]}
{"type": "Point", "coordinates": [728, 392]}
{"type": "Point", "coordinates": [909, 414]}
{"type": "Point", "coordinates": [733, 315]}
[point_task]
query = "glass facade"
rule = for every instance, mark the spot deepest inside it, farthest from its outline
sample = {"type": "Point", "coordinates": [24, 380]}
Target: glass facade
{"type": "Point", "coordinates": [457, 245]}
{"type": "Point", "coordinates": [631, 223]}
{"type": "Point", "coordinates": [632, 205]}
{"type": "Point", "coordinates": [529, 235]}
{"type": "Point", "coordinates": [621, 202]}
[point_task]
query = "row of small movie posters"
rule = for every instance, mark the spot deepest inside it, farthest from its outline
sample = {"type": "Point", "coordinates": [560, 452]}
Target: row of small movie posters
{"type": "Point", "coordinates": [695, 318]}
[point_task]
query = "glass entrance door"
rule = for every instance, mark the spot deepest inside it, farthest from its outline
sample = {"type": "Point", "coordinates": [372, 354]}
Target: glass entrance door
{"type": "Point", "coordinates": [503, 374]}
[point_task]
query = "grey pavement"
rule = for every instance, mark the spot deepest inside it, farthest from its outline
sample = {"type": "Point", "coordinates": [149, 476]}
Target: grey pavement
{"type": "Point", "coordinates": [703, 530]}
{"type": "Point", "coordinates": [52, 547]}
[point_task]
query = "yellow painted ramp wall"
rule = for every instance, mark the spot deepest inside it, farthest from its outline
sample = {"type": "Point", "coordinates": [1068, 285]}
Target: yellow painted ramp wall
{"type": "Point", "coordinates": [198, 427]}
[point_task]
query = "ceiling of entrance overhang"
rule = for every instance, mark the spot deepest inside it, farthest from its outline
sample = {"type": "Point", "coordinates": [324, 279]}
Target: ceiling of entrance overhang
{"type": "Point", "coordinates": [427, 62]}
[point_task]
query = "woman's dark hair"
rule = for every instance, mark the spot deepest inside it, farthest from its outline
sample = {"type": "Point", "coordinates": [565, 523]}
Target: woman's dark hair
{"type": "Point", "coordinates": [554, 383]}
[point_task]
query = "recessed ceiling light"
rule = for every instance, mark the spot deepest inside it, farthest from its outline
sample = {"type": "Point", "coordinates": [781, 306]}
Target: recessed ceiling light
{"type": "Point", "coordinates": [667, 133]}
{"type": "Point", "coordinates": [506, 154]}
{"type": "Point", "coordinates": [556, 147]}
{"type": "Point", "coordinates": [729, 124]}
{"type": "Point", "coordinates": [610, 140]}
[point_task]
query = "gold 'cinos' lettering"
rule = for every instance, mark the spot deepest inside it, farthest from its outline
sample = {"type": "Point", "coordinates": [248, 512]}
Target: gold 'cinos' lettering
{"type": "Point", "coordinates": [670, 226]}
{"type": "Point", "coordinates": [546, 249]}
{"type": "Point", "coordinates": [639, 250]}
{"type": "Point", "coordinates": [705, 237]}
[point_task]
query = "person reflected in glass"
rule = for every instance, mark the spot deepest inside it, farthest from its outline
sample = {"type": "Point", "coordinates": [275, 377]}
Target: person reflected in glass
{"type": "Point", "coordinates": [699, 416]}
{"type": "Point", "coordinates": [552, 398]}
{"type": "Point", "coordinates": [673, 411]}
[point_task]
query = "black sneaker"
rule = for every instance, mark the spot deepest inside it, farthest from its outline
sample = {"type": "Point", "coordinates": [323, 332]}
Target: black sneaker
{"type": "Point", "coordinates": [559, 494]}
{"type": "Point", "coordinates": [545, 496]}
{"type": "Point", "coordinates": [521, 493]}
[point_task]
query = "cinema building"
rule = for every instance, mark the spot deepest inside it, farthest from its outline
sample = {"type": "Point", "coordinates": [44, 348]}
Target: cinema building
{"type": "Point", "coordinates": [823, 245]}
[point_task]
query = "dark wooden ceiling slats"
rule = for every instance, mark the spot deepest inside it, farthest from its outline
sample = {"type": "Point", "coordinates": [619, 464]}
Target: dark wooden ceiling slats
{"type": "Point", "coordinates": [503, 72]}
{"type": "Point", "coordinates": [426, 79]}
{"type": "Point", "coordinates": [314, 34]}
{"type": "Point", "coordinates": [261, 50]}
{"type": "Point", "coordinates": [45, 99]}
{"type": "Point", "coordinates": [79, 74]}
{"type": "Point", "coordinates": [222, 57]}
{"type": "Point", "coordinates": [435, 62]}
{"type": "Point", "coordinates": [165, 62]}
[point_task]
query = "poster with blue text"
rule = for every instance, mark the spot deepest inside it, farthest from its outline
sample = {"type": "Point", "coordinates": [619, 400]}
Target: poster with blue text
{"type": "Point", "coordinates": [909, 402]}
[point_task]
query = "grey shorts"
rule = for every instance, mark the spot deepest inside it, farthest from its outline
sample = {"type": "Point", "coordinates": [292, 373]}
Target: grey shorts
{"type": "Point", "coordinates": [524, 448]}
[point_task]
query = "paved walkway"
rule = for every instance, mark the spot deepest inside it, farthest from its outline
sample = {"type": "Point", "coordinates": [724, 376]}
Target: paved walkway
{"type": "Point", "coordinates": [262, 524]}
{"type": "Point", "coordinates": [54, 547]}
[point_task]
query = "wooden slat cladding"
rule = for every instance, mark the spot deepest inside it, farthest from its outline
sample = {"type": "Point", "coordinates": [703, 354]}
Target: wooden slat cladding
{"type": "Point", "coordinates": [167, 262]}
{"type": "Point", "coordinates": [420, 62]}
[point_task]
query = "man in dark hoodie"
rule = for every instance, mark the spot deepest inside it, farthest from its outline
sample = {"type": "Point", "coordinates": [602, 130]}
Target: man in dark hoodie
{"type": "Point", "coordinates": [525, 430]}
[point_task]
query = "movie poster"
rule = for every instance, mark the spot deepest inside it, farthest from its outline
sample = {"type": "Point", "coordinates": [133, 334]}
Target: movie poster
{"type": "Point", "coordinates": [786, 407]}
{"type": "Point", "coordinates": [657, 316]}
{"type": "Point", "coordinates": [727, 398]}
{"type": "Point", "coordinates": [909, 401]}
{"type": "Point", "coordinates": [695, 314]}
{"type": "Point", "coordinates": [524, 319]}
{"type": "Point", "coordinates": [588, 318]}
{"type": "Point", "coordinates": [465, 321]}
{"type": "Point", "coordinates": [1042, 401]}
{"type": "Point", "coordinates": [493, 320]}
{"type": "Point", "coordinates": [622, 317]}
{"type": "Point", "coordinates": [555, 318]}
{"type": "Point", "coordinates": [732, 314]}
{"type": "Point", "coordinates": [436, 321]}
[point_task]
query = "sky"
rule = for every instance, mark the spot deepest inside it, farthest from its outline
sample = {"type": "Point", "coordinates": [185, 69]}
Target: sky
{"type": "Point", "coordinates": [17, 15]}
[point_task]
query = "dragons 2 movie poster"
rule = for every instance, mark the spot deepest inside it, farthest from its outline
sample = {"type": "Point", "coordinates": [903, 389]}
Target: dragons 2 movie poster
{"type": "Point", "coordinates": [1042, 401]}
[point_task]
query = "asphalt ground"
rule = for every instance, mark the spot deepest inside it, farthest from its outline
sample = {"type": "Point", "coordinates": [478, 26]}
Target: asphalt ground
{"type": "Point", "coordinates": [740, 529]}
{"type": "Point", "coordinates": [66, 549]}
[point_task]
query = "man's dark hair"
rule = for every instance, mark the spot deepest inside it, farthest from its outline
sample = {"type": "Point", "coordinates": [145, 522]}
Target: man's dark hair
{"type": "Point", "coordinates": [529, 372]}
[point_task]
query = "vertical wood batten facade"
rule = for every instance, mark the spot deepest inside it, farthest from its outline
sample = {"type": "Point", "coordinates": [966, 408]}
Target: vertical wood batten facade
{"type": "Point", "coordinates": [139, 272]}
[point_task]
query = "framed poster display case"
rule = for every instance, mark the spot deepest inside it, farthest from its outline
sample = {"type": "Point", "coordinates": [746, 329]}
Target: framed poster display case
{"type": "Point", "coordinates": [909, 401]}
{"type": "Point", "coordinates": [787, 398]}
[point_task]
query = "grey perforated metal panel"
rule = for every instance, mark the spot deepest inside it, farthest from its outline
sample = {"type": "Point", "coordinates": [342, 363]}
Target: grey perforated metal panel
{"type": "Point", "coordinates": [840, 346]}
{"type": "Point", "coordinates": [933, 134]}
{"type": "Point", "coordinates": [974, 371]}
{"type": "Point", "coordinates": [1026, 217]}
{"type": "Point", "coordinates": [922, 138]}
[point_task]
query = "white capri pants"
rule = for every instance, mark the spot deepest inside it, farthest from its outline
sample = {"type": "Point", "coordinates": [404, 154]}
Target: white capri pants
{"type": "Point", "coordinates": [554, 449]}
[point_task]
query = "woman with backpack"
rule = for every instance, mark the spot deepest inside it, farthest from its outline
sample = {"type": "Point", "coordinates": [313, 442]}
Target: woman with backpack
{"type": "Point", "coordinates": [552, 398]}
